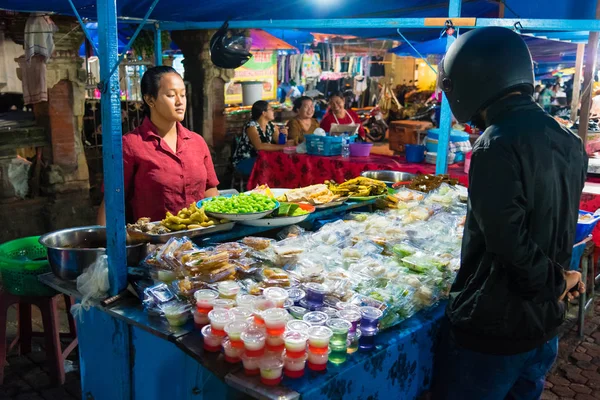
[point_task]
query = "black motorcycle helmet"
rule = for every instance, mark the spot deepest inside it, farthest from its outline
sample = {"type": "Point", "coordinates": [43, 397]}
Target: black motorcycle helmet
{"type": "Point", "coordinates": [482, 66]}
{"type": "Point", "coordinates": [229, 49]}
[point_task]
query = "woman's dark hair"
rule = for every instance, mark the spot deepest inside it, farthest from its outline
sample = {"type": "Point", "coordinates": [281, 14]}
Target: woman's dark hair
{"type": "Point", "coordinates": [337, 94]}
{"type": "Point", "coordinates": [258, 108]}
{"type": "Point", "coordinates": [298, 102]}
{"type": "Point", "coordinates": [151, 83]}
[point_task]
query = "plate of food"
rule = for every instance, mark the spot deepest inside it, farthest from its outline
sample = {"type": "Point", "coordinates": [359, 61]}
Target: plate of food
{"type": "Point", "coordinates": [191, 221]}
{"type": "Point", "coordinates": [359, 189]}
{"type": "Point", "coordinates": [286, 214]}
{"type": "Point", "coordinates": [239, 207]}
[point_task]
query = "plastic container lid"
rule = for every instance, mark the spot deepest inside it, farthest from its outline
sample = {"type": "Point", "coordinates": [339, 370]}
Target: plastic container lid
{"type": "Point", "coordinates": [223, 303]}
{"type": "Point", "coordinates": [295, 337]}
{"type": "Point", "coordinates": [236, 327]}
{"type": "Point", "coordinates": [271, 363]}
{"type": "Point", "coordinates": [241, 313]}
{"type": "Point", "coordinates": [275, 314]}
{"type": "Point", "coordinates": [275, 294]}
{"type": "Point", "coordinates": [296, 294]}
{"type": "Point", "coordinates": [175, 309]}
{"type": "Point", "coordinates": [319, 332]}
{"type": "Point", "coordinates": [207, 331]}
{"type": "Point", "coordinates": [343, 305]}
{"type": "Point", "coordinates": [339, 325]}
{"type": "Point", "coordinates": [350, 314]}
{"type": "Point", "coordinates": [297, 311]}
{"type": "Point", "coordinates": [253, 336]}
{"type": "Point", "coordinates": [298, 326]}
{"type": "Point", "coordinates": [228, 288]}
{"type": "Point", "coordinates": [331, 312]}
{"type": "Point", "coordinates": [316, 287]}
{"type": "Point", "coordinates": [315, 318]}
{"type": "Point", "coordinates": [371, 312]}
{"type": "Point", "coordinates": [205, 294]}
{"type": "Point", "coordinates": [245, 300]}
{"type": "Point", "coordinates": [220, 315]}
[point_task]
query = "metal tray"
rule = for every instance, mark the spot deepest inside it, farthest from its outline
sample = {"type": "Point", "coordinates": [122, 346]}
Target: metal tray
{"type": "Point", "coordinates": [191, 233]}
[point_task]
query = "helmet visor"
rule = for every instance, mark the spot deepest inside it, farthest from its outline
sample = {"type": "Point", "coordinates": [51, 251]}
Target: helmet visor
{"type": "Point", "coordinates": [237, 43]}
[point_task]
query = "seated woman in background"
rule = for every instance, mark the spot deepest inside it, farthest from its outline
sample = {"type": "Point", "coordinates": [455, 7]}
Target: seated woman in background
{"type": "Point", "coordinates": [258, 134]}
{"type": "Point", "coordinates": [303, 123]}
{"type": "Point", "coordinates": [338, 115]}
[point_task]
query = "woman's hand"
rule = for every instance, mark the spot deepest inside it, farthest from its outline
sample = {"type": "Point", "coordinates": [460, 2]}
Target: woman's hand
{"type": "Point", "coordinates": [573, 280]}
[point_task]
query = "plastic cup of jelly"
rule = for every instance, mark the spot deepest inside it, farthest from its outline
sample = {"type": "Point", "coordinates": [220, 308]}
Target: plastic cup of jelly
{"type": "Point", "coordinates": [261, 304]}
{"type": "Point", "coordinates": [176, 314]}
{"type": "Point", "coordinates": [370, 319]}
{"type": "Point", "coordinates": [340, 328]}
{"type": "Point", "coordinates": [234, 331]}
{"type": "Point", "coordinates": [211, 343]}
{"type": "Point", "coordinates": [296, 294]}
{"type": "Point", "coordinates": [228, 290]}
{"type": "Point", "coordinates": [318, 339]}
{"type": "Point", "coordinates": [219, 317]}
{"type": "Point", "coordinates": [241, 313]}
{"type": "Point", "coordinates": [271, 369]}
{"type": "Point", "coordinates": [295, 343]}
{"type": "Point", "coordinates": [329, 311]}
{"type": "Point", "coordinates": [315, 318]}
{"type": "Point", "coordinates": [297, 311]}
{"type": "Point", "coordinates": [353, 340]}
{"type": "Point", "coordinates": [232, 354]}
{"type": "Point", "coordinates": [204, 300]}
{"type": "Point", "coordinates": [298, 326]}
{"type": "Point", "coordinates": [318, 361]}
{"type": "Point", "coordinates": [366, 341]}
{"type": "Point", "coordinates": [343, 305]}
{"type": "Point", "coordinates": [251, 367]}
{"type": "Point", "coordinates": [245, 300]}
{"type": "Point", "coordinates": [293, 367]}
{"type": "Point", "coordinates": [277, 295]}
{"type": "Point", "coordinates": [351, 315]}
{"type": "Point", "coordinates": [200, 319]}
{"type": "Point", "coordinates": [254, 342]}
{"type": "Point", "coordinates": [315, 294]}
{"type": "Point", "coordinates": [226, 304]}
{"type": "Point", "coordinates": [275, 320]}
{"type": "Point", "coordinates": [275, 344]}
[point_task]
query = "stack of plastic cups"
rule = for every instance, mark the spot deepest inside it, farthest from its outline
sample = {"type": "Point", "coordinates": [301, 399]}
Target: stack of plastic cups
{"type": "Point", "coordinates": [212, 343]}
{"type": "Point", "coordinates": [254, 346]}
{"type": "Point", "coordinates": [339, 340]}
{"type": "Point", "coordinates": [295, 356]}
{"type": "Point", "coordinates": [369, 327]}
{"type": "Point", "coordinates": [271, 371]}
{"type": "Point", "coordinates": [318, 347]}
{"type": "Point", "coordinates": [275, 321]}
{"type": "Point", "coordinates": [228, 290]}
{"type": "Point", "coordinates": [204, 305]}
{"type": "Point", "coordinates": [315, 296]}
{"type": "Point", "coordinates": [277, 295]}
{"type": "Point", "coordinates": [218, 319]}
{"type": "Point", "coordinates": [234, 331]}
{"type": "Point", "coordinates": [260, 305]}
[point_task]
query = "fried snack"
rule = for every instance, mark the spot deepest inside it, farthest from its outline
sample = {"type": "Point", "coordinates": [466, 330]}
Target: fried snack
{"type": "Point", "coordinates": [358, 187]}
{"type": "Point", "coordinates": [190, 217]}
{"type": "Point", "coordinates": [314, 194]}
{"type": "Point", "coordinates": [256, 243]}
{"type": "Point", "coordinates": [427, 183]}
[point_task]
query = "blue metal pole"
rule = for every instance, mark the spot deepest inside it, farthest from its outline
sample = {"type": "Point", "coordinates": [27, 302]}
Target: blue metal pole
{"type": "Point", "coordinates": [85, 31]}
{"type": "Point", "coordinates": [157, 45]}
{"type": "Point", "coordinates": [441, 164]}
{"type": "Point", "coordinates": [112, 146]}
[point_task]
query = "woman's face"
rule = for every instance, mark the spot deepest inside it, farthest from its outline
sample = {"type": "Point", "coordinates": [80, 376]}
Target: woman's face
{"type": "Point", "coordinates": [269, 115]}
{"type": "Point", "coordinates": [336, 104]}
{"type": "Point", "coordinates": [170, 101]}
{"type": "Point", "coordinates": [307, 110]}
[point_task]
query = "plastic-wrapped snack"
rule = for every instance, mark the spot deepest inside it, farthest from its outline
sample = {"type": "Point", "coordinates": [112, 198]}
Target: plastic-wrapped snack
{"type": "Point", "coordinates": [156, 295]}
{"type": "Point", "coordinates": [226, 272]}
{"type": "Point", "coordinates": [257, 243]}
{"type": "Point", "coordinates": [207, 263]}
{"type": "Point", "coordinates": [407, 195]}
{"type": "Point", "coordinates": [188, 286]}
{"type": "Point", "coordinates": [152, 260]}
{"type": "Point", "coordinates": [246, 265]}
{"type": "Point", "coordinates": [235, 250]}
{"type": "Point", "coordinates": [404, 249]}
{"type": "Point", "coordinates": [306, 270]}
{"type": "Point", "coordinates": [288, 250]}
{"type": "Point", "coordinates": [274, 277]}
{"type": "Point", "coordinates": [420, 213]}
{"type": "Point", "coordinates": [445, 195]}
{"type": "Point", "coordinates": [290, 232]}
{"type": "Point", "coordinates": [174, 249]}
{"type": "Point", "coordinates": [422, 263]}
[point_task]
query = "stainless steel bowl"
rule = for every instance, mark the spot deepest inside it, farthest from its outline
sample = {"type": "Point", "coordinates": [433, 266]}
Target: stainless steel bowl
{"type": "Point", "coordinates": [389, 177]}
{"type": "Point", "coordinates": [71, 251]}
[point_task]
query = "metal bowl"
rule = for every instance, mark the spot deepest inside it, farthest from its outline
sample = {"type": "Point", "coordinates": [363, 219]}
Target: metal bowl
{"type": "Point", "coordinates": [389, 177]}
{"type": "Point", "coordinates": [71, 251]}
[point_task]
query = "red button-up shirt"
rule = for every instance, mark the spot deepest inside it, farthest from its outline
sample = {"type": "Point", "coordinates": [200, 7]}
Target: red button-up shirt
{"type": "Point", "coordinates": [158, 180]}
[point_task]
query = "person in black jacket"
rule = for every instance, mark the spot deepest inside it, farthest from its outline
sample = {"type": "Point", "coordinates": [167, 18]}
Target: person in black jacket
{"type": "Point", "coordinates": [526, 177]}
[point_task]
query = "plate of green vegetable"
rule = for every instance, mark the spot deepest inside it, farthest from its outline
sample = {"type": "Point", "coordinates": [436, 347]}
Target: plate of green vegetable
{"type": "Point", "coordinates": [239, 207]}
{"type": "Point", "coordinates": [286, 214]}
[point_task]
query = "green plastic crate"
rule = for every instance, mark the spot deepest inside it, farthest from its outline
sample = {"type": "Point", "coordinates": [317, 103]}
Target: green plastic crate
{"type": "Point", "coordinates": [21, 261]}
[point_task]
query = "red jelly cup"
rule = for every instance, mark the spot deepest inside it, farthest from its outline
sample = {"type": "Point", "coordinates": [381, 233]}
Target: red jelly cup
{"type": "Point", "coordinates": [219, 332]}
{"type": "Point", "coordinates": [294, 374]}
{"type": "Point", "coordinates": [317, 350]}
{"type": "Point", "coordinates": [295, 354]}
{"type": "Point", "coordinates": [270, 382]}
{"type": "Point", "coordinates": [211, 349]}
{"type": "Point", "coordinates": [233, 360]}
{"type": "Point", "coordinates": [317, 367]}
{"type": "Point", "coordinates": [255, 353]}
{"type": "Point", "coordinates": [251, 372]}
{"type": "Point", "coordinates": [238, 344]}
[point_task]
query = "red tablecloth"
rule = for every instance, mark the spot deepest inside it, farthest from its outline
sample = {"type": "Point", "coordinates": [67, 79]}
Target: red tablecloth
{"type": "Point", "coordinates": [279, 170]}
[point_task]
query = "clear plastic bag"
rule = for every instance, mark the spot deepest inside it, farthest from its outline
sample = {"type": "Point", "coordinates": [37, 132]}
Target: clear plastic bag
{"type": "Point", "coordinates": [93, 285]}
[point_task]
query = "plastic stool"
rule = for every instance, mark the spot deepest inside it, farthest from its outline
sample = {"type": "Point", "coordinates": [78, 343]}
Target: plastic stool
{"type": "Point", "coordinates": [48, 306]}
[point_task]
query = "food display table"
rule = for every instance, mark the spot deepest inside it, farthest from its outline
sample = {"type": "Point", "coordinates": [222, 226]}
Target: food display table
{"type": "Point", "coordinates": [277, 169]}
{"type": "Point", "coordinates": [160, 361]}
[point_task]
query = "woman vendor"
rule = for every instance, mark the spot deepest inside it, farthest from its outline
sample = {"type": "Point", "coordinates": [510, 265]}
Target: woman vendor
{"type": "Point", "coordinates": [303, 123]}
{"type": "Point", "coordinates": [166, 166]}
{"type": "Point", "coordinates": [338, 115]}
{"type": "Point", "coordinates": [258, 134]}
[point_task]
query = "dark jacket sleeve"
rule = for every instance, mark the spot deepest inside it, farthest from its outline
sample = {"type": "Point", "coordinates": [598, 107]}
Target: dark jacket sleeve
{"type": "Point", "coordinates": [499, 205]}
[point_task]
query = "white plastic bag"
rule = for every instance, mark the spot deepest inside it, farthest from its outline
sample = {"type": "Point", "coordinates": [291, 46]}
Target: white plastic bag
{"type": "Point", "coordinates": [93, 285]}
{"type": "Point", "coordinates": [18, 175]}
